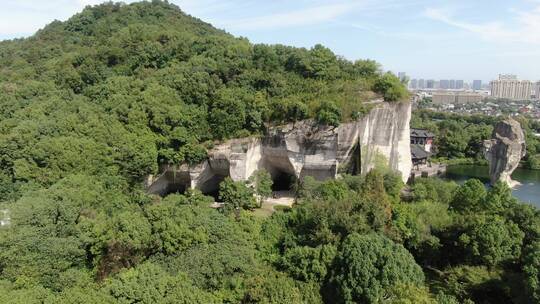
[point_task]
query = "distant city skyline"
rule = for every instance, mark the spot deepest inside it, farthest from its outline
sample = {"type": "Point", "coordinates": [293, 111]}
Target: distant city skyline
{"type": "Point", "coordinates": [430, 39]}
{"type": "Point", "coordinates": [447, 82]}
{"type": "Point", "coordinates": [471, 81]}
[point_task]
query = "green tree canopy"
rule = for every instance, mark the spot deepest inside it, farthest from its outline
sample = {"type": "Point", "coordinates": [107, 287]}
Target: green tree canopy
{"type": "Point", "coordinates": [491, 240]}
{"type": "Point", "coordinates": [390, 87]}
{"type": "Point", "coordinates": [367, 265]}
{"type": "Point", "coordinates": [236, 195]}
{"type": "Point", "coordinates": [469, 197]}
{"type": "Point", "coordinates": [531, 267]}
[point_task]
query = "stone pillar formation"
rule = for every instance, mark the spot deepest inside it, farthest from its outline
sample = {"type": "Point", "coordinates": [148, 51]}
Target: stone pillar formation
{"type": "Point", "coordinates": [505, 150]}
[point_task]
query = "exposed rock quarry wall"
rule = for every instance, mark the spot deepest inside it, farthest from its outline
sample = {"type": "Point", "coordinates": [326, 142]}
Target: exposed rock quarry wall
{"type": "Point", "coordinates": [303, 149]}
{"type": "Point", "coordinates": [386, 138]}
{"type": "Point", "coordinates": [505, 150]}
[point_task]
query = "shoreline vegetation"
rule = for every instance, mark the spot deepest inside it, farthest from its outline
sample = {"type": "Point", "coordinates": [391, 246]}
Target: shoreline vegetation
{"type": "Point", "coordinates": [476, 162]}
{"type": "Point", "coordinates": [461, 161]}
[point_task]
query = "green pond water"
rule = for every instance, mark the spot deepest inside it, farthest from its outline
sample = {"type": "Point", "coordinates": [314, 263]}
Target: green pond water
{"type": "Point", "coordinates": [528, 192]}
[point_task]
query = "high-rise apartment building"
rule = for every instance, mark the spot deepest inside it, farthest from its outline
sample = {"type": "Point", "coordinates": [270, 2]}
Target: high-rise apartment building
{"type": "Point", "coordinates": [459, 84]}
{"type": "Point", "coordinates": [430, 84]}
{"type": "Point", "coordinates": [452, 84]}
{"type": "Point", "coordinates": [537, 90]}
{"type": "Point", "coordinates": [477, 85]}
{"type": "Point", "coordinates": [507, 77]}
{"type": "Point", "coordinates": [509, 87]}
{"type": "Point", "coordinates": [421, 84]}
{"type": "Point", "coordinates": [413, 84]}
{"type": "Point", "coordinates": [402, 76]}
{"type": "Point", "coordinates": [444, 84]}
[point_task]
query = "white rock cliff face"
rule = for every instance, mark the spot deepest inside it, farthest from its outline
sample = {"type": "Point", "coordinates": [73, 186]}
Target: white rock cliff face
{"type": "Point", "coordinates": [505, 150]}
{"type": "Point", "coordinates": [303, 149]}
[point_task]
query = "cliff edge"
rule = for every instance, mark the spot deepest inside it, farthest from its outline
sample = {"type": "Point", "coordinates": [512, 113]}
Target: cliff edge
{"type": "Point", "coordinates": [305, 148]}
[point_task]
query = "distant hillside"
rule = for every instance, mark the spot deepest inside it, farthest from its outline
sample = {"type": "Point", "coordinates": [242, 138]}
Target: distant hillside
{"type": "Point", "coordinates": [119, 89]}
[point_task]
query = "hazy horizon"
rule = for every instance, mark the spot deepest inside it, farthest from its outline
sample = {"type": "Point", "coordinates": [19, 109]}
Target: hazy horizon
{"type": "Point", "coordinates": [425, 39]}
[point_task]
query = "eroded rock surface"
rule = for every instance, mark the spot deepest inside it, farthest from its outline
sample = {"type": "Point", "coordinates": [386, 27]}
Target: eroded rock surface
{"type": "Point", "coordinates": [505, 150]}
{"type": "Point", "coordinates": [303, 149]}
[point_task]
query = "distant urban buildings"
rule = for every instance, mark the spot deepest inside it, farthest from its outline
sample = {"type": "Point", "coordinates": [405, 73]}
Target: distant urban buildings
{"type": "Point", "coordinates": [508, 95]}
{"type": "Point", "coordinates": [402, 76]}
{"type": "Point", "coordinates": [477, 85]}
{"type": "Point", "coordinates": [456, 97]}
{"type": "Point", "coordinates": [508, 77]}
{"type": "Point", "coordinates": [413, 84]}
{"type": "Point", "coordinates": [443, 98]}
{"type": "Point", "coordinates": [509, 87]}
{"type": "Point", "coordinates": [443, 84]}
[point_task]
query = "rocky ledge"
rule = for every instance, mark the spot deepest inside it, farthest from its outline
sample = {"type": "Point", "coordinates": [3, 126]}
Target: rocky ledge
{"type": "Point", "coordinates": [505, 150]}
{"type": "Point", "coordinates": [302, 149]}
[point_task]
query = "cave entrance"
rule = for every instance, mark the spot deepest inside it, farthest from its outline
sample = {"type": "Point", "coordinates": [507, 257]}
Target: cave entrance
{"type": "Point", "coordinates": [170, 182]}
{"type": "Point", "coordinates": [356, 161]}
{"type": "Point", "coordinates": [174, 188]}
{"type": "Point", "coordinates": [283, 181]}
{"type": "Point", "coordinates": [211, 186]}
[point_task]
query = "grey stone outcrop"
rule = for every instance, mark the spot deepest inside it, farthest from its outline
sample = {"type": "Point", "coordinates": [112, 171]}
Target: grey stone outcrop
{"type": "Point", "coordinates": [505, 150]}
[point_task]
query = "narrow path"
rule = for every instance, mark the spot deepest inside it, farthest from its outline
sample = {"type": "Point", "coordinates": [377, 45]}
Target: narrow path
{"type": "Point", "coordinates": [279, 198]}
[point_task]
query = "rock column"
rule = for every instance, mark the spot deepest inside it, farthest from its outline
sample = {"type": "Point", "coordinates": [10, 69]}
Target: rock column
{"type": "Point", "coordinates": [504, 151]}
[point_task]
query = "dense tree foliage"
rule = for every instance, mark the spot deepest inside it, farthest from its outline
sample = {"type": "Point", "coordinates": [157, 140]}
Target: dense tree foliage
{"type": "Point", "coordinates": [129, 87]}
{"type": "Point", "coordinates": [390, 86]}
{"type": "Point", "coordinates": [531, 128]}
{"type": "Point", "coordinates": [531, 267]}
{"type": "Point", "coordinates": [261, 183]}
{"type": "Point", "coordinates": [236, 195]}
{"type": "Point", "coordinates": [368, 265]}
{"type": "Point", "coordinates": [347, 240]}
{"type": "Point", "coordinates": [90, 106]}
{"type": "Point", "coordinates": [459, 138]}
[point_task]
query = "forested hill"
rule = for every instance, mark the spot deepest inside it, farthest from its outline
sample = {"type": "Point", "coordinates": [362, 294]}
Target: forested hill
{"type": "Point", "coordinates": [122, 88]}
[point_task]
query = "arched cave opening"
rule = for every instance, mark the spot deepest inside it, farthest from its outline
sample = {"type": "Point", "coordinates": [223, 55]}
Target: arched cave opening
{"type": "Point", "coordinates": [174, 188]}
{"type": "Point", "coordinates": [282, 181]}
{"type": "Point", "coordinates": [169, 182]}
{"type": "Point", "coordinates": [211, 186]}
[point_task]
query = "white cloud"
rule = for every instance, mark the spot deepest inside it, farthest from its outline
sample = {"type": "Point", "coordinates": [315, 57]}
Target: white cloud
{"type": "Point", "coordinates": [302, 17]}
{"type": "Point", "coordinates": [314, 12]}
{"type": "Point", "coordinates": [526, 30]}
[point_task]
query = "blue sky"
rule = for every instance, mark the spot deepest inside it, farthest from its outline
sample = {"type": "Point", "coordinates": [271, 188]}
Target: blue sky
{"type": "Point", "coordinates": [425, 38]}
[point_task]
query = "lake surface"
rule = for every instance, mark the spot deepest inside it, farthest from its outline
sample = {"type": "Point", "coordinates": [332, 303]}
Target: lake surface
{"type": "Point", "coordinates": [528, 192]}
